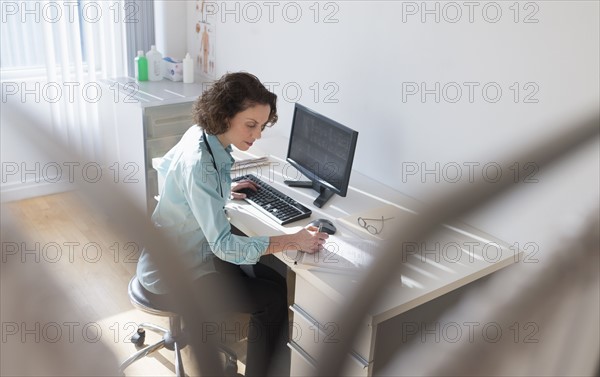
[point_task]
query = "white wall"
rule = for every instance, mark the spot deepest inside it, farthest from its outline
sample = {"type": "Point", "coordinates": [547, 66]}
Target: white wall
{"type": "Point", "coordinates": [26, 172]}
{"type": "Point", "coordinates": [169, 22]}
{"type": "Point", "coordinates": [363, 60]}
{"type": "Point", "coordinates": [375, 49]}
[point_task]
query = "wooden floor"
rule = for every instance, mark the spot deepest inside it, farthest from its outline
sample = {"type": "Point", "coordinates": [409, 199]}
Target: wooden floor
{"type": "Point", "coordinates": [93, 266]}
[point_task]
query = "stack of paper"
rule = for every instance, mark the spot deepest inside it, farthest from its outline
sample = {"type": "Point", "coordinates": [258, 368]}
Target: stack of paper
{"type": "Point", "coordinates": [249, 163]}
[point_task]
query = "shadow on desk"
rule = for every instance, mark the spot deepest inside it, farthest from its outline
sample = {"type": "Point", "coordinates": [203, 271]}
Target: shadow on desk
{"type": "Point", "coordinates": [528, 319]}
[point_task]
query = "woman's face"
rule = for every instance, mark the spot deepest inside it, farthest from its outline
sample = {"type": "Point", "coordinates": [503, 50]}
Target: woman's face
{"type": "Point", "coordinates": [246, 127]}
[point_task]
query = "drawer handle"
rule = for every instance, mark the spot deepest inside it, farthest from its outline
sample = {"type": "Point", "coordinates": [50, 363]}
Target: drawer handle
{"type": "Point", "coordinates": [302, 353]}
{"type": "Point", "coordinates": [167, 121]}
{"type": "Point", "coordinates": [359, 360]}
{"type": "Point", "coordinates": [308, 318]}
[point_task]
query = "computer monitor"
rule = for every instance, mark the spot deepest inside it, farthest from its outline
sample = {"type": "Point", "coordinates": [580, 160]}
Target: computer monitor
{"type": "Point", "coordinates": [323, 150]}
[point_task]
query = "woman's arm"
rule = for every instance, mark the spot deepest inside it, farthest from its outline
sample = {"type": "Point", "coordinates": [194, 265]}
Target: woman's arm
{"type": "Point", "coordinates": [309, 240]}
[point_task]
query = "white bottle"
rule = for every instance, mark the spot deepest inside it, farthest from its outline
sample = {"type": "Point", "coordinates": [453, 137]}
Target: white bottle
{"type": "Point", "coordinates": [155, 61]}
{"type": "Point", "coordinates": [188, 69]}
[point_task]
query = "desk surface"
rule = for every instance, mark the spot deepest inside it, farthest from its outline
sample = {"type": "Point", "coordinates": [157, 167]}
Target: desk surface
{"type": "Point", "coordinates": [154, 93]}
{"type": "Point", "coordinates": [455, 256]}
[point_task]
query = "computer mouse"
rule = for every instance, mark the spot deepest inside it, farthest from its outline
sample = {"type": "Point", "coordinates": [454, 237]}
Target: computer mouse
{"type": "Point", "coordinates": [325, 225]}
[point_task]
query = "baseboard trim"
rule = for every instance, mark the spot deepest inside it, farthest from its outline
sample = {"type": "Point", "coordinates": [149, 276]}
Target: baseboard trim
{"type": "Point", "coordinates": [11, 192]}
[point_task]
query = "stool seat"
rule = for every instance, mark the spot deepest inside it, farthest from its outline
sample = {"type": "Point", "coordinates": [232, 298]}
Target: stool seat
{"type": "Point", "coordinates": [173, 338]}
{"type": "Point", "coordinates": [149, 302]}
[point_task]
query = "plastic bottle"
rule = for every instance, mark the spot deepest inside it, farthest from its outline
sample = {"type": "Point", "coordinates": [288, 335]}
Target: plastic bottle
{"type": "Point", "coordinates": [141, 67]}
{"type": "Point", "coordinates": [188, 69]}
{"type": "Point", "coordinates": [155, 70]}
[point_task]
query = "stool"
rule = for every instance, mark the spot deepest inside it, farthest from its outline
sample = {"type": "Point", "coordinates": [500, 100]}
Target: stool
{"type": "Point", "coordinates": [174, 338]}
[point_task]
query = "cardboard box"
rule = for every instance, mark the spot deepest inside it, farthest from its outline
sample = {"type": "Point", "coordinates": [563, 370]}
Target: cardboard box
{"type": "Point", "coordinates": [172, 69]}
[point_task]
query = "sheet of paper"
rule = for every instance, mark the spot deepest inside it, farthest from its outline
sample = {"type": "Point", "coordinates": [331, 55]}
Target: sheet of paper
{"type": "Point", "coordinates": [345, 251]}
{"type": "Point", "coordinates": [250, 163]}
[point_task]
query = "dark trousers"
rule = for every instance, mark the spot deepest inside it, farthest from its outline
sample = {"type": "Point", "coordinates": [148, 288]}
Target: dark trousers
{"type": "Point", "coordinates": [262, 292]}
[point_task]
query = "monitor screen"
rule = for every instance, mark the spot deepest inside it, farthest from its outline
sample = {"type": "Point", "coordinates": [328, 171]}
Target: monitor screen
{"type": "Point", "coordinates": [322, 149]}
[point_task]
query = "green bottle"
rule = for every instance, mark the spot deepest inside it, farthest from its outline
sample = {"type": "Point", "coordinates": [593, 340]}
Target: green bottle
{"type": "Point", "coordinates": [141, 67]}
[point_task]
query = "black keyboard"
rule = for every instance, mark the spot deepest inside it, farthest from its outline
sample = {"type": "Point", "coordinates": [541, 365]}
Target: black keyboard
{"type": "Point", "coordinates": [273, 203]}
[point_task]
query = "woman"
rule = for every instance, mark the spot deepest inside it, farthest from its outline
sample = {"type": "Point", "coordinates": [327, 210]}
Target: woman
{"type": "Point", "coordinates": [234, 111]}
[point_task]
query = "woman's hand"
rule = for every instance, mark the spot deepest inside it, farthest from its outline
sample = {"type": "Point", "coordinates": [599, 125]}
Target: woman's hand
{"type": "Point", "coordinates": [310, 240]}
{"type": "Point", "coordinates": [242, 185]}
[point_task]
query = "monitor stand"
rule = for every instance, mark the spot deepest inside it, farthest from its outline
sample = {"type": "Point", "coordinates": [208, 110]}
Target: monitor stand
{"type": "Point", "coordinates": [324, 193]}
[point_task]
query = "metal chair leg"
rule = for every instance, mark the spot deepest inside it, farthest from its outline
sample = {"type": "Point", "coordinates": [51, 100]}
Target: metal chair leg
{"type": "Point", "coordinates": [173, 339]}
{"type": "Point", "coordinates": [178, 361]}
{"type": "Point", "coordinates": [141, 353]}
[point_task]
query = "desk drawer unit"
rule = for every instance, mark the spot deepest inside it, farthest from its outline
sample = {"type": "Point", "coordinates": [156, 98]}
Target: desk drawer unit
{"type": "Point", "coordinates": [168, 120]}
{"type": "Point", "coordinates": [314, 325]}
{"type": "Point", "coordinates": [308, 335]}
{"type": "Point", "coordinates": [163, 127]}
{"type": "Point", "coordinates": [159, 147]}
{"type": "Point", "coordinates": [302, 364]}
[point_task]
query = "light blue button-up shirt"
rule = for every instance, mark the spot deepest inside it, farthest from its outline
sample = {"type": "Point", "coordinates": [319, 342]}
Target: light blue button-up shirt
{"type": "Point", "coordinates": [191, 210]}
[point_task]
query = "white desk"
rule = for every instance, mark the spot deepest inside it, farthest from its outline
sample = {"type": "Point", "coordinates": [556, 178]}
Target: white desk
{"type": "Point", "coordinates": [318, 293]}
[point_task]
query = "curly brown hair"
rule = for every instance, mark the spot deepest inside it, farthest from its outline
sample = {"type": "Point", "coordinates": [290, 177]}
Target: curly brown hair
{"type": "Point", "coordinates": [229, 95]}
